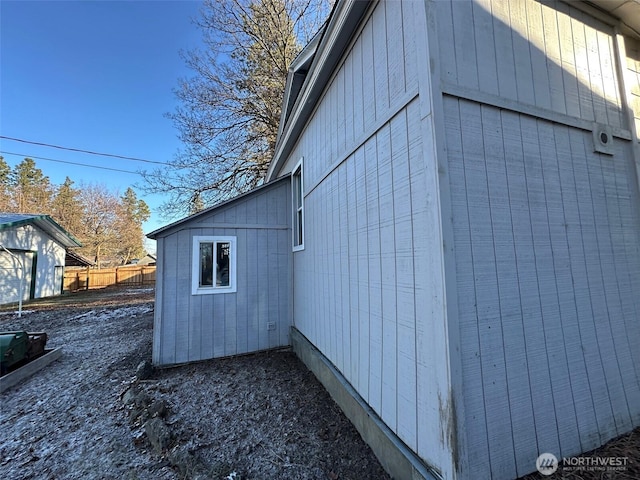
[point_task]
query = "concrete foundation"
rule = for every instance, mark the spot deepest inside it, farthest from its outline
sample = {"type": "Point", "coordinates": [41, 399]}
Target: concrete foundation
{"type": "Point", "coordinates": [394, 456]}
{"type": "Point", "coordinates": [11, 379]}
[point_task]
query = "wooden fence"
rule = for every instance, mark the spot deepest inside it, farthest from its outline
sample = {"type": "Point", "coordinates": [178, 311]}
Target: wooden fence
{"type": "Point", "coordinates": [86, 278]}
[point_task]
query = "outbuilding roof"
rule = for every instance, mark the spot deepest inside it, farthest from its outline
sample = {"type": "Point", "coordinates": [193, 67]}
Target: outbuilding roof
{"type": "Point", "coordinates": [43, 222]}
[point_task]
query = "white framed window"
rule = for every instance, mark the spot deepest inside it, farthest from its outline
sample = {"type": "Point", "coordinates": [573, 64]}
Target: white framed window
{"type": "Point", "coordinates": [297, 194]}
{"type": "Point", "coordinates": [213, 265]}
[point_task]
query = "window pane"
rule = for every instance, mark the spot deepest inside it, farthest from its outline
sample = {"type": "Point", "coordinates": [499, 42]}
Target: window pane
{"type": "Point", "coordinates": [206, 264]}
{"type": "Point", "coordinates": [222, 261]}
{"type": "Point", "coordinates": [297, 180]}
{"type": "Point", "coordinates": [298, 206]}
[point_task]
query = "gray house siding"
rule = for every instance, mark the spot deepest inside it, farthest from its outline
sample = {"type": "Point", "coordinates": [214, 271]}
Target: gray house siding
{"type": "Point", "coordinates": [546, 232]}
{"type": "Point", "coordinates": [257, 316]}
{"type": "Point", "coordinates": [368, 289]}
{"type": "Point", "coordinates": [548, 55]}
{"type": "Point", "coordinates": [471, 266]}
{"type": "Point", "coordinates": [547, 238]}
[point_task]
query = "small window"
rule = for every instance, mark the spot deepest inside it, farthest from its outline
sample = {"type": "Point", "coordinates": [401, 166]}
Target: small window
{"type": "Point", "coordinates": [297, 188]}
{"type": "Point", "coordinates": [214, 265]}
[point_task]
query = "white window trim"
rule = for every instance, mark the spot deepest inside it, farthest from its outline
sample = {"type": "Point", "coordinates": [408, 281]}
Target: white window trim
{"type": "Point", "coordinates": [196, 289]}
{"type": "Point", "coordinates": [294, 208]}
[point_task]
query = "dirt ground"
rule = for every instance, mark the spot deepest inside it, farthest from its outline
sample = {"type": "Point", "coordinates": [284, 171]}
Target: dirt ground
{"type": "Point", "coordinates": [261, 416]}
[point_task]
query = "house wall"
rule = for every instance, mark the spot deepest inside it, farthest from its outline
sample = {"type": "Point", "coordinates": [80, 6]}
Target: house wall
{"type": "Point", "coordinates": [47, 254]}
{"type": "Point", "coordinates": [545, 232]}
{"type": "Point", "coordinates": [190, 327]}
{"type": "Point", "coordinates": [632, 71]}
{"type": "Point", "coordinates": [368, 289]}
{"type": "Point", "coordinates": [15, 275]}
{"type": "Point", "coordinates": [529, 53]}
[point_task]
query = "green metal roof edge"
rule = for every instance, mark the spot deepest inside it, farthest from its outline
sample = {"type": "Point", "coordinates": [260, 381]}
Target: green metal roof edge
{"type": "Point", "coordinates": [60, 227]}
{"type": "Point", "coordinates": [46, 218]}
{"type": "Point", "coordinates": [20, 222]}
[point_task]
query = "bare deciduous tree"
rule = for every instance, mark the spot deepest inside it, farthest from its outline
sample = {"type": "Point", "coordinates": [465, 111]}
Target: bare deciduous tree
{"type": "Point", "coordinates": [230, 109]}
{"type": "Point", "coordinates": [99, 235]}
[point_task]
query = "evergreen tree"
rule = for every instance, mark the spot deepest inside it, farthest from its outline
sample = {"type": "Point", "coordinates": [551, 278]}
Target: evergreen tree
{"type": "Point", "coordinates": [32, 190]}
{"type": "Point", "coordinates": [66, 207]}
{"type": "Point", "coordinates": [133, 213]}
{"type": "Point", "coordinates": [5, 191]}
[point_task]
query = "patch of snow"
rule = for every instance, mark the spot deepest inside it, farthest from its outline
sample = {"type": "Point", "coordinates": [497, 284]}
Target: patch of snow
{"type": "Point", "coordinates": [17, 312]}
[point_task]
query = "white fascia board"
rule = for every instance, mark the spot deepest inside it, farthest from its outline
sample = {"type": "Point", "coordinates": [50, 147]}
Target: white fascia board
{"type": "Point", "coordinates": [343, 23]}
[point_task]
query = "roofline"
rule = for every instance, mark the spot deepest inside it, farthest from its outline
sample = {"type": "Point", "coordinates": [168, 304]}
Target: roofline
{"type": "Point", "coordinates": [296, 70]}
{"type": "Point", "coordinates": [625, 12]}
{"type": "Point", "coordinates": [80, 258]}
{"type": "Point", "coordinates": [24, 221]}
{"type": "Point", "coordinates": [343, 23]}
{"type": "Point", "coordinates": [154, 235]}
{"type": "Point", "coordinates": [45, 218]}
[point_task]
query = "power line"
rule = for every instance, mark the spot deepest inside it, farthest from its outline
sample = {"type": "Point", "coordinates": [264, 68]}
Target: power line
{"type": "Point", "coordinates": [82, 151]}
{"type": "Point", "coordinates": [71, 163]}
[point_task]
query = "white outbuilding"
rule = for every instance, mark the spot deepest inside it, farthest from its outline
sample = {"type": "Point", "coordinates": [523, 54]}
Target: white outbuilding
{"type": "Point", "coordinates": [32, 256]}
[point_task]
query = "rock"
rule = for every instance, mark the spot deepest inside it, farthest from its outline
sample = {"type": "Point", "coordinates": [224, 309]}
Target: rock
{"type": "Point", "coordinates": [143, 400]}
{"type": "Point", "coordinates": [158, 434]}
{"type": "Point", "coordinates": [135, 397]}
{"type": "Point", "coordinates": [129, 397]}
{"type": "Point", "coordinates": [158, 409]}
{"type": "Point", "coordinates": [144, 370]}
{"type": "Point", "coordinates": [191, 467]}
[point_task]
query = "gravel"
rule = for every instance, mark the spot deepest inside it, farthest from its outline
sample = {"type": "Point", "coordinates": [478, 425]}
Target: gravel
{"type": "Point", "coordinates": [252, 417]}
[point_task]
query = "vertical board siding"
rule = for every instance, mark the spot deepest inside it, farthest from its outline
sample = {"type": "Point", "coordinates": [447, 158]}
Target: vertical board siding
{"type": "Point", "coordinates": [354, 295]}
{"type": "Point", "coordinates": [475, 424]}
{"type": "Point", "coordinates": [545, 54]}
{"type": "Point", "coordinates": [378, 73]}
{"type": "Point", "coordinates": [632, 48]}
{"type": "Point", "coordinates": [546, 239]}
{"type": "Point", "coordinates": [196, 327]}
{"type": "Point", "coordinates": [405, 280]}
{"type": "Point", "coordinates": [47, 254]}
{"type": "Point", "coordinates": [374, 274]}
{"type": "Point", "coordinates": [356, 301]}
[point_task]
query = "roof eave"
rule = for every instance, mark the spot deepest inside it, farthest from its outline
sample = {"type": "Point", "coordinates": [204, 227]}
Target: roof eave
{"type": "Point", "coordinates": [627, 12]}
{"type": "Point", "coordinates": [49, 226]}
{"type": "Point", "coordinates": [298, 69]}
{"type": "Point", "coordinates": [342, 25]}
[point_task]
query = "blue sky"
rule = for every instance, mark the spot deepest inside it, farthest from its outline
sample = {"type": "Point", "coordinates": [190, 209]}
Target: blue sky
{"type": "Point", "coordinates": [94, 75]}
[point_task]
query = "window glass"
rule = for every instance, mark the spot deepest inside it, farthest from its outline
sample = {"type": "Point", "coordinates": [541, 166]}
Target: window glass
{"type": "Point", "coordinates": [298, 208]}
{"type": "Point", "coordinates": [214, 265]}
{"type": "Point", "coordinates": [206, 264]}
{"type": "Point", "coordinates": [222, 264]}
